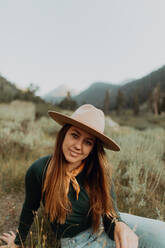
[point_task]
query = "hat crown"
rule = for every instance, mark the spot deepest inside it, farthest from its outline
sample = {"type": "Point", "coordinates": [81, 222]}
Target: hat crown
{"type": "Point", "coordinates": [90, 116]}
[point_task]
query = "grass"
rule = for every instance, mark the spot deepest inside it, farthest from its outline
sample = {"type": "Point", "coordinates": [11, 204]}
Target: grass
{"type": "Point", "coordinates": [41, 235]}
{"type": "Point", "coordinates": [138, 168]}
{"type": "Point", "coordinates": [139, 171]}
{"type": "Point", "coordinates": [143, 121]}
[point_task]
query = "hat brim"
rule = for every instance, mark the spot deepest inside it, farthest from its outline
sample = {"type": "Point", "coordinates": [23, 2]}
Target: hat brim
{"type": "Point", "coordinates": [64, 119]}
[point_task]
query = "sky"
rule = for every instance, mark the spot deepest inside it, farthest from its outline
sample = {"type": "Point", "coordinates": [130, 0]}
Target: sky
{"type": "Point", "coordinates": [79, 42]}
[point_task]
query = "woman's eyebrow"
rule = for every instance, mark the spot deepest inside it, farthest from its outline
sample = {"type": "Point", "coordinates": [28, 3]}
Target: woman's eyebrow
{"type": "Point", "coordinates": [75, 130]}
{"type": "Point", "coordinates": [90, 138]}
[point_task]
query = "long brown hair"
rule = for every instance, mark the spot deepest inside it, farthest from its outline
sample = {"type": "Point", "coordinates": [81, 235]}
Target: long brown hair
{"type": "Point", "coordinates": [97, 183]}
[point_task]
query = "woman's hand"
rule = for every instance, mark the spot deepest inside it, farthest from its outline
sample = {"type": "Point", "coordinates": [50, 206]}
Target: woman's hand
{"type": "Point", "coordinates": [9, 239]}
{"type": "Point", "coordinates": [124, 236]}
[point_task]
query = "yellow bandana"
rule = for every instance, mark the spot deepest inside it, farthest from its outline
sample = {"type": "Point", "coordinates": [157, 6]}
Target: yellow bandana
{"type": "Point", "coordinates": [71, 177]}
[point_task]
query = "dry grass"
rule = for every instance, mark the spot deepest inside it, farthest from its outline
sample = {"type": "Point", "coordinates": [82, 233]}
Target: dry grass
{"type": "Point", "coordinates": [139, 171]}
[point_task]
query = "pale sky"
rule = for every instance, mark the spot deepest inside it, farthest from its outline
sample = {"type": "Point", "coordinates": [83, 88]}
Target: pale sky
{"type": "Point", "coordinates": [78, 42]}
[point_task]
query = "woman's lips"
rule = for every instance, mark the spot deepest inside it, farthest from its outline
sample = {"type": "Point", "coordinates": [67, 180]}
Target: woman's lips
{"type": "Point", "coordinates": [74, 154]}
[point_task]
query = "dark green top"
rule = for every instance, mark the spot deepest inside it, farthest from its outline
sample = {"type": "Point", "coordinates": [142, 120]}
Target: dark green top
{"type": "Point", "coordinates": [79, 219]}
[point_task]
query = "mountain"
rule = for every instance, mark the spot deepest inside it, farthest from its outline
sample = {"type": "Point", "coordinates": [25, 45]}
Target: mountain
{"type": "Point", "coordinates": [95, 94]}
{"type": "Point", "coordinates": [142, 87]}
{"type": "Point", "coordinates": [8, 91]}
{"type": "Point", "coordinates": [56, 95]}
{"type": "Point", "coordinates": [125, 81]}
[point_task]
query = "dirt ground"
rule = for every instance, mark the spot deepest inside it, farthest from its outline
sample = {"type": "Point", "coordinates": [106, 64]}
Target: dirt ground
{"type": "Point", "coordinates": [10, 208]}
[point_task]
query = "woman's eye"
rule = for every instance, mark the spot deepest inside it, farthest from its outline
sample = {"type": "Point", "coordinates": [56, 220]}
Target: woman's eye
{"type": "Point", "coordinates": [74, 135]}
{"type": "Point", "coordinates": [89, 143]}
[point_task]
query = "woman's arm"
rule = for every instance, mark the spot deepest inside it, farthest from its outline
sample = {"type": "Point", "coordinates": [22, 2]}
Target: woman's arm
{"type": "Point", "coordinates": [109, 224]}
{"type": "Point", "coordinates": [117, 230]}
{"type": "Point", "coordinates": [31, 203]}
{"type": "Point", "coordinates": [33, 191]}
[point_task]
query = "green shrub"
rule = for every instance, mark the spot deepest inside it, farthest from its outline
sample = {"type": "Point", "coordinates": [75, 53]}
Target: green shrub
{"type": "Point", "coordinates": [139, 171]}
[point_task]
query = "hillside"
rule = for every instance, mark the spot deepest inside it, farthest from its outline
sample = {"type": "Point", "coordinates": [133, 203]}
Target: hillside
{"type": "Point", "coordinates": [57, 94]}
{"type": "Point", "coordinates": [141, 87]}
{"type": "Point", "coordinates": [8, 91]}
{"type": "Point", "coordinates": [144, 86]}
{"type": "Point", "coordinates": [95, 94]}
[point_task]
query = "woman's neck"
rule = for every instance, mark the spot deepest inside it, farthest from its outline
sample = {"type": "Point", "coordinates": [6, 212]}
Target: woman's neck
{"type": "Point", "coordinates": [72, 166]}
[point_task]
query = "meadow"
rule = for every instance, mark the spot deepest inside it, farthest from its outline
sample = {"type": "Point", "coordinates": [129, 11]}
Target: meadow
{"type": "Point", "coordinates": [138, 169]}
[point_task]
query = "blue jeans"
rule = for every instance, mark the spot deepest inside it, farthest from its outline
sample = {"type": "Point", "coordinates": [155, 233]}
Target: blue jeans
{"type": "Point", "coordinates": [87, 239]}
{"type": "Point", "coordinates": [151, 234]}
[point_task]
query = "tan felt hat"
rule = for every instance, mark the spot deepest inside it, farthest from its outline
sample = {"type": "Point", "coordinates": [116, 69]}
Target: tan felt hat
{"type": "Point", "coordinates": [90, 119]}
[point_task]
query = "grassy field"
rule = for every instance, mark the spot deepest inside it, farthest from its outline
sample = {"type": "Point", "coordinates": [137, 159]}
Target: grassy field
{"type": "Point", "coordinates": [139, 168]}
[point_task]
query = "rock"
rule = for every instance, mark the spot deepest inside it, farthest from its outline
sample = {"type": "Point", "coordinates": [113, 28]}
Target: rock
{"type": "Point", "coordinates": [111, 123]}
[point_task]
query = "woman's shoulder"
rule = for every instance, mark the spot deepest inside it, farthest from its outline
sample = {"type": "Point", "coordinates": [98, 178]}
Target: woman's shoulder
{"type": "Point", "coordinates": [40, 163]}
{"type": "Point", "coordinates": [38, 167]}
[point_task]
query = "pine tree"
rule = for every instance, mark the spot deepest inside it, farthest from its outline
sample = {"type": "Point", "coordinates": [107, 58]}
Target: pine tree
{"type": "Point", "coordinates": [106, 101]}
{"type": "Point", "coordinates": [163, 104]}
{"type": "Point", "coordinates": [68, 102]}
{"type": "Point", "coordinates": [156, 99]}
{"type": "Point", "coordinates": [120, 102]}
{"type": "Point", "coordinates": [136, 104]}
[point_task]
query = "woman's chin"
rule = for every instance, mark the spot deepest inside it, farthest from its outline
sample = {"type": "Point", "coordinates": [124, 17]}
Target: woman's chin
{"type": "Point", "coordinates": [71, 159]}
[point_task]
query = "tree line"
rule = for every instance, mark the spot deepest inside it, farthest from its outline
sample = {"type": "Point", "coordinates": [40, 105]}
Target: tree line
{"type": "Point", "coordinates": [155, 103]}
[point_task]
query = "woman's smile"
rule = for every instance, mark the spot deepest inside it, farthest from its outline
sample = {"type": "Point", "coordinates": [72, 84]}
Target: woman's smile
{"type": "Point", "coordinates": [74, 154]}
{"type": "Point", "coordinates": [77, 145]}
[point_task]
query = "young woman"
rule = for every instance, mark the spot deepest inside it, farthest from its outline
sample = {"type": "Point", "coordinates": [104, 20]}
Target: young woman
{"type": "Point", "coordinates": [75, 186]}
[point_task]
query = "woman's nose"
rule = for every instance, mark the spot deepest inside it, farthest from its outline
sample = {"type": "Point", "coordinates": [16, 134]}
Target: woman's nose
{"type": "Point", "coordinates": [78, 144]}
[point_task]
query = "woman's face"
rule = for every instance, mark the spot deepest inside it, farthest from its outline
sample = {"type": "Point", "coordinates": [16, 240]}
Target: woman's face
{"type": "Point", "coordinates": [77, 145]}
